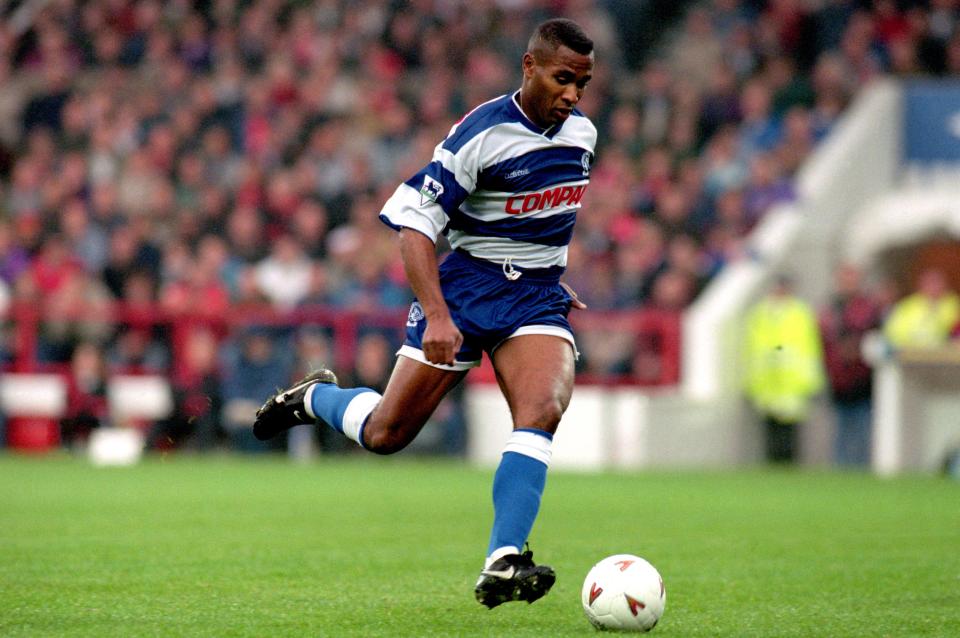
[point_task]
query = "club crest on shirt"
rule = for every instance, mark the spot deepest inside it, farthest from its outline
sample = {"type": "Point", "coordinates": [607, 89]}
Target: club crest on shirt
{"type": "Point", "coordinates": [585, 162]}
{"type": "Point", "coordinates": [415, 315]}
{"type": "Point", "coordinates": [430, 191]}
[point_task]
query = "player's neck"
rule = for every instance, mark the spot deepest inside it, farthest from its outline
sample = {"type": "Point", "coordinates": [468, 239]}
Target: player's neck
{"type": "Point", "coordinates": [527, 113]}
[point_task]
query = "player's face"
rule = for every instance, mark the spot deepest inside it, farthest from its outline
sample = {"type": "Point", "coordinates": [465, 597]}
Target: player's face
{"type": "Point", "coordinates": [553, 84]}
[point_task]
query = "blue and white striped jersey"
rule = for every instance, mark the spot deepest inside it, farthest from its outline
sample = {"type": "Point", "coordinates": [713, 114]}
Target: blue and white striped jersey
{"type": "Point", "coordinates": [500, 187]}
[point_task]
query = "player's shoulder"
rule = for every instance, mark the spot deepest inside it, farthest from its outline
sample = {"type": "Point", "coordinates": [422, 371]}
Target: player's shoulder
{"type": "Point", "coordinates": [579, 118]}
{"type": "Point", "coordinates": [580, 130]}
{"type": "Point", "coordinates": [479, 120]}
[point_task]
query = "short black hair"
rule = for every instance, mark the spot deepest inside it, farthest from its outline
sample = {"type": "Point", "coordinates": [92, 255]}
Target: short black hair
{"type": "Point", "coordinates": [561, 32]}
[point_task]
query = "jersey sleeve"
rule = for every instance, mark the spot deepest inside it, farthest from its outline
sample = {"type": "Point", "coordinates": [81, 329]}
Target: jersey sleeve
{"type": "Point", "coordinates": [425, 201]}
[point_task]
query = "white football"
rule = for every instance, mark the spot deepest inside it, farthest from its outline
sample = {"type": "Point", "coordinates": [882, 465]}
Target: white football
{"type": "Point", "coordinates": [623, 592]}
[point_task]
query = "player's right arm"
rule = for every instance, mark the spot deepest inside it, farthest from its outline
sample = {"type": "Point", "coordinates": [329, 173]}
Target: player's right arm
{"type": "Point", "coordinates": [442, 338]}
{"type": "Point", "coordinates": [420, 210]}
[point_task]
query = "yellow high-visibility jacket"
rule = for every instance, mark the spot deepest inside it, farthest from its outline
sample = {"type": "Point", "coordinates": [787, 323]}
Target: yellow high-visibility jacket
{"type": "Point", "coordinates": [783, 357]}
{"type": "Point", "coordinates": [920, 322]}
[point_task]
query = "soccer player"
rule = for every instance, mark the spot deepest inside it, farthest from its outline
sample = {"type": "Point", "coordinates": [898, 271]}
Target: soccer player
{"type": "Point", "coordinates": [504, 187]}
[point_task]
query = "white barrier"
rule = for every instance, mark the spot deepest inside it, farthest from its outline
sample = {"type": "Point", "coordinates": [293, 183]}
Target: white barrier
{"type": "Point", "coordinates": [39, 395]}
{"type": "Point", "coordinates": [138, 397]}
{"type": "Point", "coordinates": [601, 428]}
{"type": "Point", "coordinates": [620, 428]}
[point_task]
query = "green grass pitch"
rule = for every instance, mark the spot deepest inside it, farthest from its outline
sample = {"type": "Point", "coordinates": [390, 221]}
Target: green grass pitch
{"type": "Point", "coordinates": [229, 546]}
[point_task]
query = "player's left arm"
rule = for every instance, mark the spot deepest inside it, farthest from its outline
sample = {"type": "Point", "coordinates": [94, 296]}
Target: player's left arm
{"type": "Point", "coordinates": [575, 301]}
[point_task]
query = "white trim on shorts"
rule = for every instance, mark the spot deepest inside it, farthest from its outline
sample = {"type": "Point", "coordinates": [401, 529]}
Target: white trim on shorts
{"type": "Point", "coordinates": [417, 355]}
{"type": "Point", "coordinates": [544, 329]}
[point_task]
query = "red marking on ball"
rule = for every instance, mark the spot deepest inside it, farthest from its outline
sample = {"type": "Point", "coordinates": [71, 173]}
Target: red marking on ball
{"type": "Point", "coordinates": [635, 605]}
{"type": "Point", "coordinates": [594, 592]}
{"type": "Point", "coordinates": [624, 564]}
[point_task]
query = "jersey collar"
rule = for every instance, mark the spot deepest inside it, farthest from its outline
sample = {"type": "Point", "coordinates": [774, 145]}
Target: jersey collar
{"type": "Point", "coordinates": [527, 122]}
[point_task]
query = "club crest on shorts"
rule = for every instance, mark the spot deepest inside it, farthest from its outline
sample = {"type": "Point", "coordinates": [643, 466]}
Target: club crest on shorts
{"type": "Point", "coordinates": [430, 191]}
{"type": "Point", "coordinates": [415, 315]}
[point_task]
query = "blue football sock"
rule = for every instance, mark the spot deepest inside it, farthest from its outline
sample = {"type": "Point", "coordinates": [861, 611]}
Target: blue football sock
{"type": "Point", "coordinates": [517, 487]}
{"type": "Point", "coordinates": [343, 409]}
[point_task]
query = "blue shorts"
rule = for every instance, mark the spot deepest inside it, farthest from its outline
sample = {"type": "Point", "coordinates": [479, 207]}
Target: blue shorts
{"type": "Point", "coordinates": [489, 308]}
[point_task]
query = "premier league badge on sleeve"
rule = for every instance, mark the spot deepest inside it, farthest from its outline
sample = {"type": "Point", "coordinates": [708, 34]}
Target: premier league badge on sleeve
{"type": "Point", "coordinates": [430, 191]}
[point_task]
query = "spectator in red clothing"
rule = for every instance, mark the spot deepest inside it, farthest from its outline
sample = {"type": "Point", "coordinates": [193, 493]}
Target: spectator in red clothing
{"type": "Point", "coordinates": [850, 313]}
{"type": "Point", "coordinates": [198, 293]}
{"type": "Point", "coordinates": [891, 24]}
{"type": "Point", "coordinates": [53, 266]}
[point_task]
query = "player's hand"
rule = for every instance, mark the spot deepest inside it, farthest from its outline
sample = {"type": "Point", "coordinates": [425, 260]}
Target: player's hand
{"type": "Point", "coordinates": [574, 298]}
{"type": "Point", "coordinates": [441, 340]}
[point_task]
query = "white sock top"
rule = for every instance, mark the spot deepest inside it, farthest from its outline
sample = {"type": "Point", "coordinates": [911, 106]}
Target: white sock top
{"type": "Point", "coordinates": [530, 444]}
{"type": "Point", "coordinates": [357, 412]}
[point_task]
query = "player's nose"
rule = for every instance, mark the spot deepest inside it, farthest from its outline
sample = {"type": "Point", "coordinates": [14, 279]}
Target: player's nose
{"type": "Point", "coordinates": [571, 95]}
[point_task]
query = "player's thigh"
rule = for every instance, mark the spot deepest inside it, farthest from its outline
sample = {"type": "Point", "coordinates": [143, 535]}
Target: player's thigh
{"type": "Point", "coordinates": [413, 393]}
{"type": "Point", "coordinates": [535, 373]}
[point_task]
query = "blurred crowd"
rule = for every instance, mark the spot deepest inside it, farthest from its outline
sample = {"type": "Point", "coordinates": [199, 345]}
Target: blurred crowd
{"type": "Point", "coordinates": [207, 156]}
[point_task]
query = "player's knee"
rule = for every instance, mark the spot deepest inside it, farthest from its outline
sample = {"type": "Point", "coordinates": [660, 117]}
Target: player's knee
{"type": "Point", "coordinates": [384, 440]}
{"type": "Point", "coordinates": [384, 444]}
{"type": "Point", "coordinates": [545, 414]}
{"type": "Point", "coordinates": [387, 431]}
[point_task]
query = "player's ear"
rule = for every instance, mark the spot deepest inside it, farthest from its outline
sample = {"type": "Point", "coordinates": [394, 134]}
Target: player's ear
{"type": "Point", "coordinates": [529, 62]}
